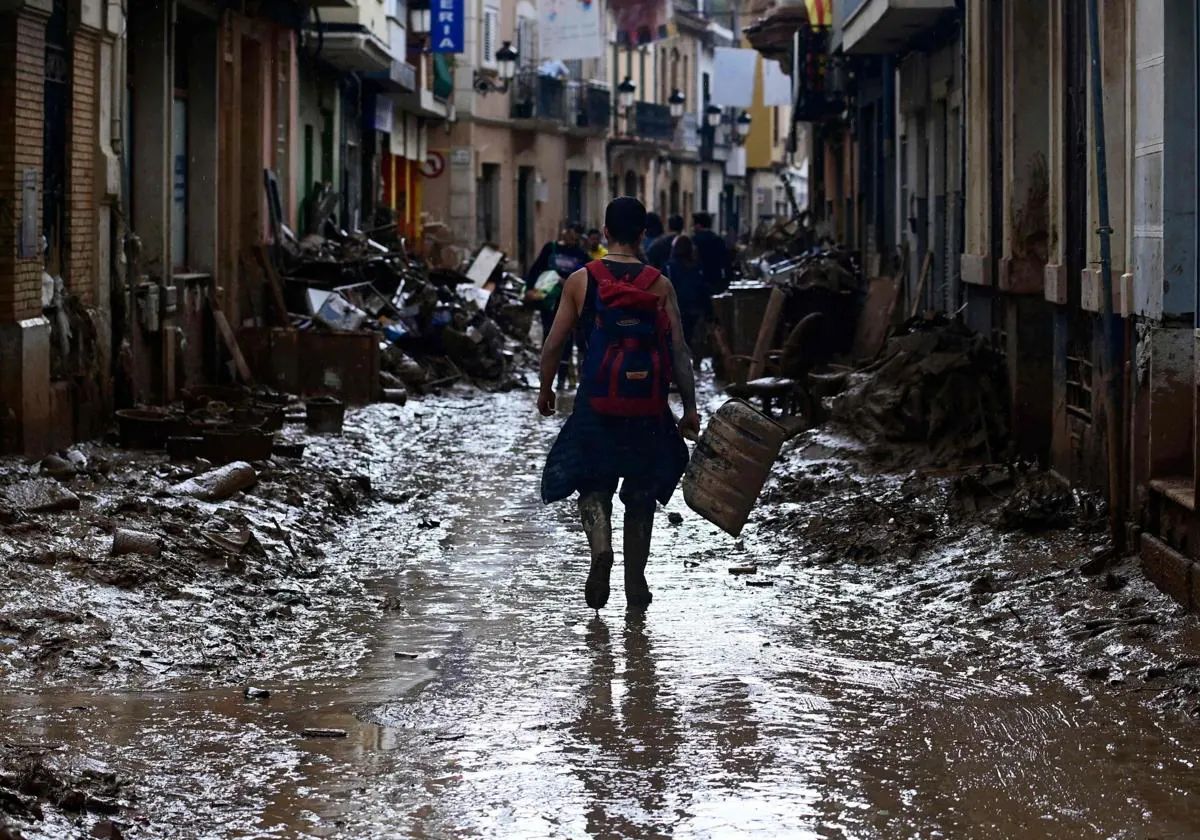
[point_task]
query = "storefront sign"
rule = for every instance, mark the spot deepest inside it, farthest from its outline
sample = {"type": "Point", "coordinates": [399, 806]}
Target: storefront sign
{"type": "Point", "coordinates": [447, 35]}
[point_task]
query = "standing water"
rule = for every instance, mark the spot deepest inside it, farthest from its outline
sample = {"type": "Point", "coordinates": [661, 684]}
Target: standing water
{"type": "Point", "coordinates": [487, 701]}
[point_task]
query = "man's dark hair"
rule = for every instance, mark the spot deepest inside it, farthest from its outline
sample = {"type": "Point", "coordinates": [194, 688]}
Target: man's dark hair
{"type": "Point", "coordinates": [593, 232]}
{"type": "Point", "coordinates": [702, 220]}
{"type": "Point", "coordinates": [625, 219]}
{"type": "Point", "coordinates": [675, 224]}
{"type": "Point", "coordinates": [578, 228]}
{"type": "Point", "coordinates": [654, 225]}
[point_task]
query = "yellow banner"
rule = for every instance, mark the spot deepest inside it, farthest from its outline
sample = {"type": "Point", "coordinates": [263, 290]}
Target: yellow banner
{"type": "Point", "coordinates": [820, 12]}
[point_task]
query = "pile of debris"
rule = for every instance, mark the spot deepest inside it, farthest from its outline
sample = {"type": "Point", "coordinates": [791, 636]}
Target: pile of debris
{"type": "Point", "coordinates": [435, 325]}
{"type": "Point", "coordinates": [831, 268]}
{"type": "Point", "coordinates": [936, 384]}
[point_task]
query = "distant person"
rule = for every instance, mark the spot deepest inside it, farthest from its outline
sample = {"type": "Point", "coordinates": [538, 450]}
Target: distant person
{"type": "Point", "coordinates": [659, 252]}
{"type": "Point", "coordinates": [654, 229]}
{"type": "Point", "coordinates": [621, 429]}
{"type": "Point", "coordinates": [595, 245]}
{"type": "Point", "coordinates": [712, 252]}
{"type": "Point", "coordinates": [555, 262]}
{"type": "Point", "coordinates": [687, 276]}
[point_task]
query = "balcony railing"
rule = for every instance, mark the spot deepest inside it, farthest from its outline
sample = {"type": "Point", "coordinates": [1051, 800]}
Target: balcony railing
{"type": "Point", "coordinates": [536, 97]}
{"type": "Point", "coordinates": [590, 104]}
{"type": "Point", "coordinates": [652, 121]}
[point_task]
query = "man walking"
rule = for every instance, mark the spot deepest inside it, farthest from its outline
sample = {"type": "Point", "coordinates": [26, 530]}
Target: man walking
{"type": "Point", "coordinates": [659, 252]}
{"type": "Point", "coordinates": [713, 253]}
{"type": "Point", "coordinates": [621, 429]}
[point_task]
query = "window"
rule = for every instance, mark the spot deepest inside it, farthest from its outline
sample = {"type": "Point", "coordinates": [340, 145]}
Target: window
{"type": "Point", "coordinates": [489, 37]}
{"type": "Point", "coordinates": [704, 184]}
{"type": "Point", "coordinates": [527, 41]}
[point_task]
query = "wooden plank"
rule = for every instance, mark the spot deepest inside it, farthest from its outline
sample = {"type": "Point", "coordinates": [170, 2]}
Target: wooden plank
{"type": "Point", "coordinates": [883, 294]}
{"type": "Point", "coordinates": [274, 283]}
{"type": "Point", "coordinates": [925, 266]}
{"type": "Point", "coordinates": [766, 333]}
{"type": "Point", "coordinates": [231, 345]}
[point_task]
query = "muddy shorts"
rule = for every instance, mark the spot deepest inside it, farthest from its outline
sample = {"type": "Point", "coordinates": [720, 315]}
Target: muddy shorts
{"type": "Point", "coordinates": [637, 492]}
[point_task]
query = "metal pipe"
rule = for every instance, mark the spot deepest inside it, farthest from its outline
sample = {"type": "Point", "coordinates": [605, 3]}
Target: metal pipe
{"type": "Point", "coordinates": [1113, 363]}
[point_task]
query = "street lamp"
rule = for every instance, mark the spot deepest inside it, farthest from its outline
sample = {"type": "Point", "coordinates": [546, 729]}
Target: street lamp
{"type": "Point", "coordinates": [676, 100]}
{"type": "Point", "coordinates": [743, 125]}
{"type": "Point", "coordinates": [625, 92]}
{"type": "Point", "coordinates": [419, 17]}
{"type": "Point", "coordinates": [506, 57]}
{"type": "Point", "coordinates": [712, 116]}
{"type": "Point", "coordinates": [506, 62]}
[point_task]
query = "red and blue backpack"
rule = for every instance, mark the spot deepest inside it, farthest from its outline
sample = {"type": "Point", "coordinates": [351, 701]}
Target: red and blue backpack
{"type": "Point", "coordinates": [627, 369]}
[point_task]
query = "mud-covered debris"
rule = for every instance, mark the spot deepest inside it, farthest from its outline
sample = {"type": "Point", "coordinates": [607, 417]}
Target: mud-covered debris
{"type": "Point", "coordinates": [760, 582]}
{"type": "Point", "coordinates": [1041, 502]}
{"type": "Point", "coordinates": [234, 542]}
{"type": "Point", "coordinates": [404, 654]}
{"type": "Point", "coordinates": [58, 467]}
{"type": "Point", "coordinates": [40, 495]}
{"type": "Point", "coordinates": [675, 517]}
{"type": "Point", "coordinates": [106, 830]}
{"type": "Point", "coordinates": [321, 732]}
{"type": "Point", "coordinates": [256, 693]}
{"type": "Point", "coordinates": [129, 541]}
{"type": "Point", "coordinates": [218, 484]}
{"type": "Point", "coordinates": [939, 385]}
{"type": "Point", "coordinates": [983, 584]}
{"type": "Point", "coordinates": [743, 570]}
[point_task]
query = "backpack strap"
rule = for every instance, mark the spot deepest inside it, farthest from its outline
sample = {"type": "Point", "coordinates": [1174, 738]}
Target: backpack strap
{"type": "Point", "coordinates": [600, 271]}
{"type": "Point", "coordinates": [646, 278]}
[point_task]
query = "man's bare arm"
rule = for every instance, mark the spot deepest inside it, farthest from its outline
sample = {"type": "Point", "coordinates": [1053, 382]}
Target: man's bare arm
{"type": "Point", "coordinates": [681, 356]}
{"type": "Point", "coordinates": [560, 334]}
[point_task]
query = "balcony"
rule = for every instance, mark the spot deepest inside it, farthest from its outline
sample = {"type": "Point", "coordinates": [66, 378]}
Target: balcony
{"type": "Point", "coordinates": [880, 27]}
{"type": "Point", "coordinates": [352, 48]}
{"type": "Point", "coordinates": [591, 105]}
{"type": "Point", "coordinates": [536, 97]}
{"type": "Point", "coordinates": [652, 122]}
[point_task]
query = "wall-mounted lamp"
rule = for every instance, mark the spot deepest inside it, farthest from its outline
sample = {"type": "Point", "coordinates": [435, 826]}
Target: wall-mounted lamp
{"type": "Point", "coordinates": [676, 100]}
{"type": "Point", "coordinates": [420, 17]}
{"type": "Point", "coordinates": [506, 62]}
{"type": "Point", "coordinates": [712, 116]}
{"type": "Point", "coordinates": [625, 93]}
{"type": "Point", "coordinates": [742, 125]}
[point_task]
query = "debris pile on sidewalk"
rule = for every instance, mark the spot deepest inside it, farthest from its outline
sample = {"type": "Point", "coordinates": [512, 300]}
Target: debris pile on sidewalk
{"type": "Point", "coordinates": [937, 384]}
{"type": "Point", "coordinates": [833, 269]}
{"type": "Point", "coordinates": [219, 556]}
{"type": "Point", "coordinates": [436, 325]}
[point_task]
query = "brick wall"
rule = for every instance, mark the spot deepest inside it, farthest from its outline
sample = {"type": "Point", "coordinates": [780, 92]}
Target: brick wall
{"type": "Point", "coordinates": [81, 269]}
{"type": "Point", "coordinates": [22, 68]}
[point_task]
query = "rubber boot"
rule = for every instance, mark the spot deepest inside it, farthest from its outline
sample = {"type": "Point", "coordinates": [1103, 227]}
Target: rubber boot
{"type": "Point", "coordinates": [595, 511]}
{"type": "Point", "coordinates": [639, 524]}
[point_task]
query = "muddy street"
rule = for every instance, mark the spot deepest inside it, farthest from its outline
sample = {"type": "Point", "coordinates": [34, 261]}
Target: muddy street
{"type": "Point", "coordinates": [967, 685]}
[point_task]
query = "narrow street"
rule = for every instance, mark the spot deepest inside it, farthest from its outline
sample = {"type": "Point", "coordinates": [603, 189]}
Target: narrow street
{"type": "Point", "coordinates": [484, 700]}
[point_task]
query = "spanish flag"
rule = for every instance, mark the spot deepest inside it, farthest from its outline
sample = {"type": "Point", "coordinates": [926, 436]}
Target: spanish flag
{"type": "Point", "coordinates": [820, 13]}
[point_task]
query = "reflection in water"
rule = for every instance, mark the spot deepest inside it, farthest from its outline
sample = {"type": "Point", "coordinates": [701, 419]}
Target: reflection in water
{"type": "Point", "coordinates": [630, 731]}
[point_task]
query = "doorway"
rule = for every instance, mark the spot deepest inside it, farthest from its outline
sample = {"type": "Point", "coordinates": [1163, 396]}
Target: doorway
{"type": "Point", "coordinates": [525, 215]}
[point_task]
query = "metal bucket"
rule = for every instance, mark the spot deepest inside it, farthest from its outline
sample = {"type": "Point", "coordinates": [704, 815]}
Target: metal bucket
{"type": "Point", "coordinates": [730, 464]}
{"type": "Point", "coordinates": [324, 415]}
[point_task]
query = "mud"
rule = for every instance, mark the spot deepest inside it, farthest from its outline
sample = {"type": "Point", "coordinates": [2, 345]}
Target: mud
{"type": "Point", "coordinates": [913, 667]}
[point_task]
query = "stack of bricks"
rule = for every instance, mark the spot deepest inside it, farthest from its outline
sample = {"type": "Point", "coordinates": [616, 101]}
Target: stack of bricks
{"type": "Point", "coordinates": [81, 268]}
{"type": "Point", "coordinates": [22, 73]}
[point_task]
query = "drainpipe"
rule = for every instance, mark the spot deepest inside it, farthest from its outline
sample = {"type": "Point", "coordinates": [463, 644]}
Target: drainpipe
{"type": "Point", "coordinates": [1112, 346]}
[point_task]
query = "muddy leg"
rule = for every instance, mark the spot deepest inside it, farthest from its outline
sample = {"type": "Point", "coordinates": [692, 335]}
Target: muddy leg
{"type": "Point", "coordinates": [595, 511]}
{"type": "Point", "coordinates": [639, 525]}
